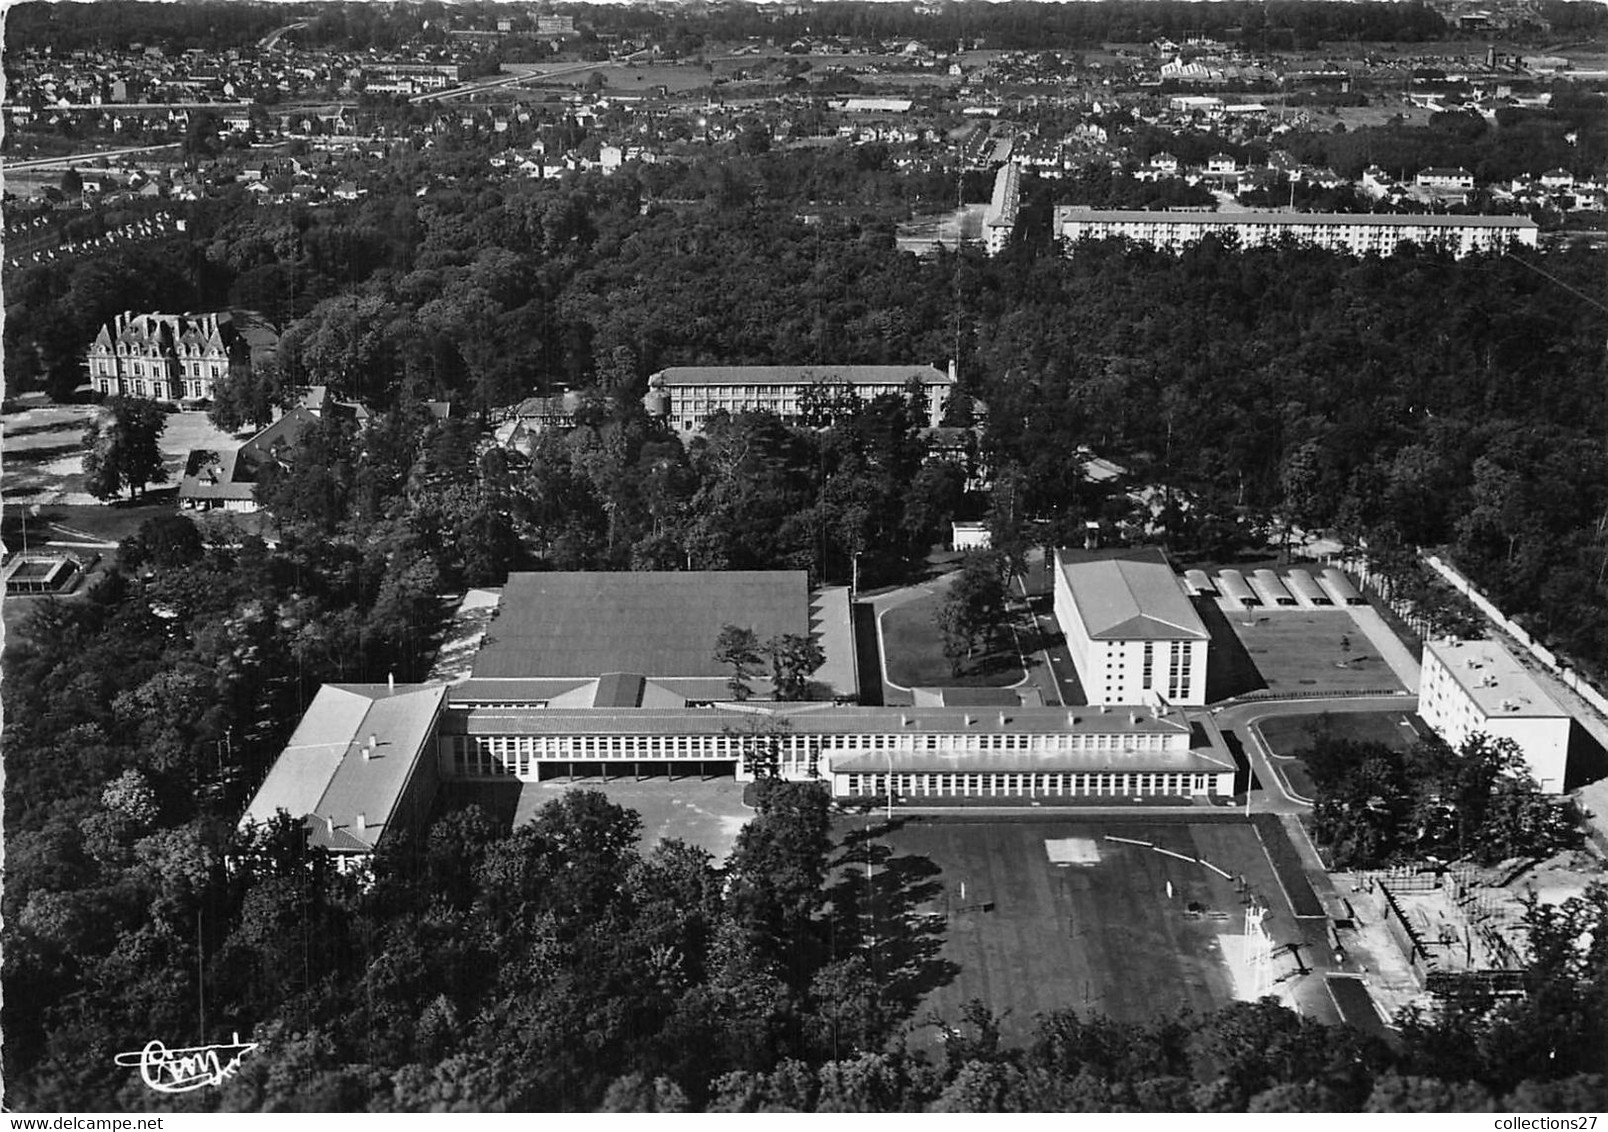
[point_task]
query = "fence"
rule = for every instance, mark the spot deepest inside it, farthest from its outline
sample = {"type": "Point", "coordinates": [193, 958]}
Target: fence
{"type": "Point", "coordinates": [1546, 656]}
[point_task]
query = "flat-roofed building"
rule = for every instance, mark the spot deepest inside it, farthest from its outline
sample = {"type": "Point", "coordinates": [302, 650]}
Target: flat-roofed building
{"type": "Point", "coordinates": [1132, 632]}
{"type": "Point", "coordinates": [1474, 687]}
{"type": "Point", "coordinates": [687, 396]}
{"type": "Point", "coordinates": [1010, 753]}
{"type": "Point", "coordinates": [359, 766]}
{"type": "Point", "coordinates": [1353, 233]}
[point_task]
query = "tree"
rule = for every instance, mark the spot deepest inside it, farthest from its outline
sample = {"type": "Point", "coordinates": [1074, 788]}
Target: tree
{"type": "Point", "coordinates": [123, 450]}
{"type": "Point", "coordinates": [973, 610]}
{"type": "Point", "coordinates": [249, 395]}
{"type": "Point", "coordinates": [739, 648]}
{"type": "Point", "coordinates": [793, 657]}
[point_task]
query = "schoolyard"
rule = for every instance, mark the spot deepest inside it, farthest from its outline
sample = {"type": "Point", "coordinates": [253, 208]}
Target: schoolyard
{"type": "Point", "coordinates": [1046, 915]}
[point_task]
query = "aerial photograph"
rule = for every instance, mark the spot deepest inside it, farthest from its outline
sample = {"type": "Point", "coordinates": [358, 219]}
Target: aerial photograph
{"type": "Point", "coordinates": [698, 556]}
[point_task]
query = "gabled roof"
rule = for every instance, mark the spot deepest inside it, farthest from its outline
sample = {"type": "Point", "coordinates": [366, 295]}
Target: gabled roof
{"type": "Point", "coordinates": [349, 761]}
{"type": "Point", "coordinates": [231, 473]}
{"type": "Point", "coordinates": [1131, 599]}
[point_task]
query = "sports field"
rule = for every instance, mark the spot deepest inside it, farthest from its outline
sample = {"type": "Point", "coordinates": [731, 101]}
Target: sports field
{"type": "Point", "coordinates": [1094, 928]}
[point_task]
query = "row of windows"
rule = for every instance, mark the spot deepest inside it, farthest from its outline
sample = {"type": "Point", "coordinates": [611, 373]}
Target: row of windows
{"type": "Point", "coordinates": [796, 748]}
{"type": "Point", "coordinates": [136, 388]}
{"type": "Point", "coordinates": [104, 368]}
{"type": "Point", "coordinates": [1048, 785]}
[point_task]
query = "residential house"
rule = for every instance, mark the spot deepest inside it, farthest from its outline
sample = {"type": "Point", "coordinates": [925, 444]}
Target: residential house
{"type": "Point", "coordinates": [226, 479]}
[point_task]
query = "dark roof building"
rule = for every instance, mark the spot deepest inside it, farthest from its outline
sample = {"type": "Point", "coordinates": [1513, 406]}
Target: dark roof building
{"type": "Point", "coordinates": [653, 623]}
{"type": "Point", "coordinates": [227, 479]}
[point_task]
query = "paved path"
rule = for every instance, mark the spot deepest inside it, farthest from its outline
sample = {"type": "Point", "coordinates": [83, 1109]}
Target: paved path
{"type": "Point", "coordinates": [1243, 719]}
{"type": "Point", "coordinates": [1395, 654]}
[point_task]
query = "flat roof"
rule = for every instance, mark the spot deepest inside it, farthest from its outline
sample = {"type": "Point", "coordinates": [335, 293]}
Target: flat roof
{"type": "Point", "coordinates": [653, 623]}
{"type": "Point", "coordinates": [802, 375]}
{"type": "Point", "coordinates": [1180, 761]}
{"type": "Point", "coordinates": [1494, 680]}
{"type": "Point", "coordinates": [1131, 599]}
{"type": "Point", "coordinates": [1070, 213]}
{"type": "Point", "coordinates": [817, 719]}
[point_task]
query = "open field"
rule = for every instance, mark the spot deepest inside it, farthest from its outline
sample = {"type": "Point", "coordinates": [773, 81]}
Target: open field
{"type": "Point", "coordinates": [915, 651]}
{"type": "Point", "coordinates": [1099, 933]}
{"type": "Point", "coordinates": [44, 450]}
{"type": "Point", "coordinates": [1300, 650]}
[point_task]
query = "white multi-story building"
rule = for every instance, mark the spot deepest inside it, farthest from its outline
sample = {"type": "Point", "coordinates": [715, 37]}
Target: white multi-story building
{"type": "Point", "coordinates": [1000, 219]}
{"type": "Point", "coordinates": [1474, 687]}
{"type": "Point", "coordinates": [165, 357]}
{"type": "Point", "coordinates": [687, 396]}
{"type": "Point", "coordinates": [366, 760]}
{"type": "Point", "coordinates": [1354, 233]}
{"type": "Point", "coordinates": [1133, 634]}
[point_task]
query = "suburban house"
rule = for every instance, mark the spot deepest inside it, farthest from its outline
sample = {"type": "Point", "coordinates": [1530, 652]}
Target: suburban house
{"type": "Point", "coordinates": [227, 479]}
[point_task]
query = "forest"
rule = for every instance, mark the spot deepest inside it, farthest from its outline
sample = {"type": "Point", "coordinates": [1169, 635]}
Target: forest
{"type": "Point", "coordinates": [1415, 401]}
{"type": "Point", "coordinates": [1019, 25]}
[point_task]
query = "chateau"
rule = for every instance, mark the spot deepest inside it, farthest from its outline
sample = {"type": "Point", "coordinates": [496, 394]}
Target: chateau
{"type": "Point", "coordinates": [165, 357]}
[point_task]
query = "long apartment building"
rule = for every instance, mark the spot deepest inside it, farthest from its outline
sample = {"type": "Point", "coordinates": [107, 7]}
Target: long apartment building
{"type": "Point", "coordinates": [1353, 233]}
{"type": "Point", "coordinates": [687, 396]}
{"type": "Point", "coordinates": [1000, 219]}
{"type": "Point", "coordinates": [1478, 687]}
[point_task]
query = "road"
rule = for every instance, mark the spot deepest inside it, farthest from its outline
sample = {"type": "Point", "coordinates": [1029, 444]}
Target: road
{"type": "Point", "coordinates": [73, 159]}
{"type": "Point", "coordinates": [522, 77]}
{"type": "Point", "coordinates": [1244, 719]}
{"type": "Point", "coordinates": [268, 41]}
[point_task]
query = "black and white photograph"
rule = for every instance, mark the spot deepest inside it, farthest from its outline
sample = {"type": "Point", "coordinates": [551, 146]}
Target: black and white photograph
{"type": "Point", "coordinates": [815, 556]}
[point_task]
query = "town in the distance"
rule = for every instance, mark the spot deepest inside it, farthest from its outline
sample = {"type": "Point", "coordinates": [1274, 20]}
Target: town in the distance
{"type": "Point", "coordinates": [807, 557]}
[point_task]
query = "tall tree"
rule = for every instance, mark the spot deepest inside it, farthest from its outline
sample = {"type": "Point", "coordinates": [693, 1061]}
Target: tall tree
{"type": "Point", "coordinates": [123, 449]}
{"type": "Point", "coordinates": [738, 648]}
{"type": "Point", "coordinates": [793, 657]}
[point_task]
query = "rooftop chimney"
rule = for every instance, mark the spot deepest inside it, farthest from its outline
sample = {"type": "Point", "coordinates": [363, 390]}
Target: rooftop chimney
{"type": "Point", "coordinates": [1002, 719]}
{"type": "Point", "coordinates": [368, 751]}
{"type": "Point", "coordinates": [361, 823]}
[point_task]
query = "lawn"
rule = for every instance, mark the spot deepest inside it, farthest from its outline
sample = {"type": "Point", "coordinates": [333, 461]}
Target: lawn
{"type": "Point", "coordinates": [1287, 735]}
{"type": "Point", "coordinates": [1101, 935]}
{"type": "Point", "coordinates": [1301, 651]}
{"type": "Point", "coordinates": [915, 651]}
{"type": "Point", "coordinates": [44, 450]}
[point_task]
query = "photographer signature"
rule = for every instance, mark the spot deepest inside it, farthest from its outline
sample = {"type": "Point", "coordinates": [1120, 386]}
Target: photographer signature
{"type": "Point", "coordinates": [181, 1070]}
